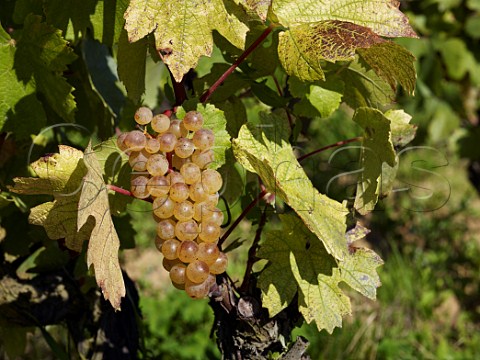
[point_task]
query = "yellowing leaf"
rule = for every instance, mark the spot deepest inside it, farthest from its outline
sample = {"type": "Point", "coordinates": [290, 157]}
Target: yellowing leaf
{"type": "Point", "coordinates": [377, 149]}
{"type": "Point", "coordinates": [358, 270]}
{"type": "Point", "coordinates": [277, 280]}
{"type": "Point", "coordinates": [320, 299]}
{"type": "Point", "coordinates": [183, 29]}
{"type": "Point", "coordinates": [382, 16]}
{"type": "Point", "coordinates": [104, 243]}
{"type": "Point", "coordinates": [60, 175]}
{"type": "Point", "coordinates": [299, 263]}
{"type": "Point", "coordinates": [301, 48]}
{"type": "Point", "coordinates": [265, 150]}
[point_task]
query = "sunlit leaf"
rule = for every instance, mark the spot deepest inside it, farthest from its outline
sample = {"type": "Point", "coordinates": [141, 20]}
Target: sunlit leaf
{"type": "Point", "coordinates": [382, 16]}
{"type": "Point", "coordinates": [183, 30]}
{"type": "Point", "coordinates": [264, 149]}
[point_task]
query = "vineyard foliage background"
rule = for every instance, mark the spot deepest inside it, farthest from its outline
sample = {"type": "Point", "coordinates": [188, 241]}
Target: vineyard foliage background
{"type": "Point", "coordinates": [72, 72]}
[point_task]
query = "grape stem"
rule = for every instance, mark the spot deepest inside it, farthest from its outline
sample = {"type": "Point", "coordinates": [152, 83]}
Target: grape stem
{"type": "Point", "coordinates": [206, 95]}
{"type": "Point", "coordinates": [241, 216]}
{"type": "Point", "coordinates": [124, 192]}
{"type": "Point", "coordinates": [339, 143]}
{"type": "Point", "coordinates": [252, 258]}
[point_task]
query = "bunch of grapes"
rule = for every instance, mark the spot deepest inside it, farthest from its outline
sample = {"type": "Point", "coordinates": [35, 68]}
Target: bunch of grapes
{"type": "Point", "coordinates": [170, 167]}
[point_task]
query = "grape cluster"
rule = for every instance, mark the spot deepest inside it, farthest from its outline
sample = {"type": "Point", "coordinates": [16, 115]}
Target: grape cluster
{"type": "Point", "coordinates": [170, 167]}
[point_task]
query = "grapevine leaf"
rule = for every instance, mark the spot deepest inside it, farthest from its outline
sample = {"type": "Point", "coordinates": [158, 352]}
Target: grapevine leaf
{"type": "Point", "coordinates": [393, 63]}
{"type": "Point", "coordinates": [107, 21]}
{"type": "Point", "coordinates": [183, 30]}
{"type": "Point", "coordinates": [320, 298]}
{"type": "Point", "coordinates": [382, 16]}
{"type": "Point", "coordinates": [260, 7]}
{"type": "Point", "coordinates": [131, 60]}
{"type": "Point", "coordinates": [402, 131]}
{"type": "Point", "coordinates": [359, 272]}
{"type": "Point", "coordinates": [377, 149]}
{"type": "Point", "coordinates": [116, 171]}
{"type": "Point", "coordinates": [264, 149]}
{"type": "Point", "coordinates": [20, 110]}
{"type": "Point", "coordinates": [356, 233]}
{"type": "Point", "coordinates": [364, 87]}
{"type": "Point", "coordinates": [302, 48]}
{"type": "Point", "coordinates": [42, 55]}
{"type": "Point", "coordinates": [215, 121]}
{"type": "Point", "coordinates": [234, 181]}
{"type": "Point", "coordinates": [319, 98]}
{"type": "Point", "coordinates": [277, 280]}
{"type": "Point", "coordinates": [104, 243]}
{"type": "Point", "coordinates": [60, 175]}
{"type": "Point", "coordinates": [60, 12]}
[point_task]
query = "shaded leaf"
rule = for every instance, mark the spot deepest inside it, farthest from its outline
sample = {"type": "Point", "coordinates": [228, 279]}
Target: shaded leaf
{"type": "Point", "coordinates": [377, 149]}
{"type": "Point", "coordinates": [393, 63]}
{"type": "Point", "coordinates": [116, 171]}
{"type": "Point", "coordinates": [19, 107]}
{"type": "Point", "coordinates": [131, 59]}
{"type": "Point", "coordinates": [42, 55]}
{"type": "Point", "coordinates": [364, 87]}
{"type": "Point", "coordinates": [264, 149]}
{"type": "Point", "coordinates": [183, 30]}
{"type": "Point", "coordinates": [60, 13]}
{"type": "Point", "coordinates": [321, 98]}
{"type": "Point", "coordinates": [104, 243]}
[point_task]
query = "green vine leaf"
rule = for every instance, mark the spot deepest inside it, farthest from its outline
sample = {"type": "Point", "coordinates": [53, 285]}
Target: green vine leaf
{"type": "Point", "coordinates": [364, 88]}
{"type": "Point", "coordinates": [116, 171]}
{"type": "Point", "coordinates": [382, 16]}
{"type": "Point", "coordinates": [183, 30]}
{"type": "Point", "coordinates": [20, 110]}
{"type": "Point", "coordinates": [264, 149]}
{"type": "Point", "coordinates": [41, 57]}
{"type": "Point", "coordinates": [214, 120]}
{"type": "Point", "coordinates": [59, 175]}
{"type": "Point", "coordinates": [377, 149]}
{"type": "Point", "coordinates": [104, 243]}
{"type": "Point", "coordinates": [320, 98]}
{"type": "Point", "coordinates": [131, 66]}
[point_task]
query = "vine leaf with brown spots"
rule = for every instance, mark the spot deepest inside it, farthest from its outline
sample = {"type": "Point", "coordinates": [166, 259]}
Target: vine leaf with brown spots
{"type": "Point", "coordinates": [183, 29]}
